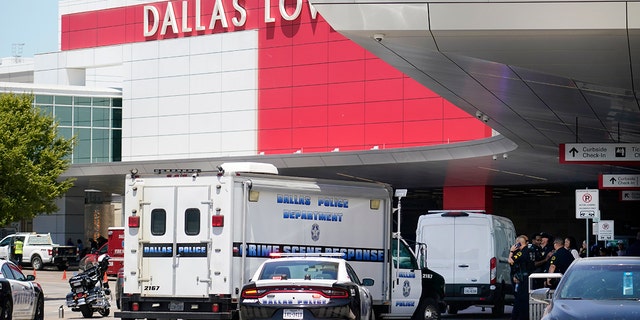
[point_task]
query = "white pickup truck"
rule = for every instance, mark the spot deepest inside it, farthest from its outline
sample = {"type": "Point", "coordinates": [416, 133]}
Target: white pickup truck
{"type": "Point", "coordinates": [39, 250]}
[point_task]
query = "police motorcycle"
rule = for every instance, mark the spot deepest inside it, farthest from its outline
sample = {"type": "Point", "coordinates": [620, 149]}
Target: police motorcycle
{"type": "Point", "coordinates": [88, 291]}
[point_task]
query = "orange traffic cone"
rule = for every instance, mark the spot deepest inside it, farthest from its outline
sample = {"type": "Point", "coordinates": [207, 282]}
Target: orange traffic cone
{"type": "Point", "coordinates": [64, 274]}
{"type": "Point", "coordinates": [105, 280]}
{"type": "Point", "coordinates": [34, 272]}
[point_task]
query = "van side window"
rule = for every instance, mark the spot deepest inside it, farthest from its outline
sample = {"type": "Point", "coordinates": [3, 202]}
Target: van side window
{"type": "Point", "coordinates": [503, 242]}
{"type": "Point", "coordinates": [192, 221]}
{"type": "Point", "coordinates": [158, 222]}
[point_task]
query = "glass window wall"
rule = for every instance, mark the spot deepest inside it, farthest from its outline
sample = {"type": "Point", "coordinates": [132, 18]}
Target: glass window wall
{"type": "Point", "coordinates": [95, 122]}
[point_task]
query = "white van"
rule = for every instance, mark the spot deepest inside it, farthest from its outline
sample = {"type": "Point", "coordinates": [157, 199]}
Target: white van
{"type": "Point", "coordinates": [470, 250]}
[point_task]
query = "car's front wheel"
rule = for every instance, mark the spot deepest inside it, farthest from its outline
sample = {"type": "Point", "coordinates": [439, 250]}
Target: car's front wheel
{"type": "Point", "coordinates": [7, 310]}
{"type": "Point", "coordinates": [39, 312]}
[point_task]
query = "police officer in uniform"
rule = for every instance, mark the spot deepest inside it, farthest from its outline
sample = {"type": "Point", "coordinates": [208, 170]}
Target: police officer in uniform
{"type": "Point", "coordinates": [521, 259]}
{"type": "Point", "coordinates": [17, 251]}
{"type": "Point", "coordinates": [560, 261]}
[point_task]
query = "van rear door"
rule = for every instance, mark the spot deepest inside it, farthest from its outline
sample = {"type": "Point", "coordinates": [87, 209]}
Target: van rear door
{"type": "Point", "coordinates": [458, 248]}
{"type": "Point", "coordinates": [438, 233]}
{"type": "Point", "coordinates": [176, 241]}
{"type": "Point", "coordinates": [473, 250]}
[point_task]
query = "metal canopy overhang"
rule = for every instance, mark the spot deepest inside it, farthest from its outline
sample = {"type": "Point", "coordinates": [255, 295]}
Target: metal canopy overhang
{"type": "Point", "coordinates": [541, 73]}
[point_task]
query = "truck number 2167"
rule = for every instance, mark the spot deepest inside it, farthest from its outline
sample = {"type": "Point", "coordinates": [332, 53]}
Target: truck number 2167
{"type": "Point", "coordinates": [151, 288]}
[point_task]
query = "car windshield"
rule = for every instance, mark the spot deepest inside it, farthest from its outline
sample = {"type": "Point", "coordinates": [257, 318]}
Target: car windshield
{"type": "Point", "coordinates": [601, 282]}
{"type": "Point", "coordinates": [296, 269]}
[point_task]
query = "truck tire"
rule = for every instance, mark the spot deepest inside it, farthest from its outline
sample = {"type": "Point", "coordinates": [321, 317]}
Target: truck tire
{"type": "Point", "coordinates": [427, 310]}
{"type": "Point", "coordinates": [7, 310]}
{"type": "Point", "coordinates": [36, 262]}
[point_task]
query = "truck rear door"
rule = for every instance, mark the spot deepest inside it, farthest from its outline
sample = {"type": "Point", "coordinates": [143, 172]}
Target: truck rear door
{"type": "Point", "coordinates": [176, 241]}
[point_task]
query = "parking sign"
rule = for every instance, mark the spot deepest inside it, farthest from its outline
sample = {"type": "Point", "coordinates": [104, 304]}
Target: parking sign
{"type": "Point", "coordinates": [587, 204]}
{"type": "Point", "coordinates": [605, 230]}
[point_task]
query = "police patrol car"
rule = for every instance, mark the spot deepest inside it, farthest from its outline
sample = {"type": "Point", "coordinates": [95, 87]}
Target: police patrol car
{"type": "Point", "coordinates": [20, 296]}
{"type": "Point", "coordinates": [306, 286]}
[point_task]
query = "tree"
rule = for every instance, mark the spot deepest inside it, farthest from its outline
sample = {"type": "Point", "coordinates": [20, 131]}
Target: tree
{"type": "Point", "coordinates": [32, 158]}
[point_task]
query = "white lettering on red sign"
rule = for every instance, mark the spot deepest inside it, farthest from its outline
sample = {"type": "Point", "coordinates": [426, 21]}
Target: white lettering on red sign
{"type": "Point", "coordinates": [152, 21]}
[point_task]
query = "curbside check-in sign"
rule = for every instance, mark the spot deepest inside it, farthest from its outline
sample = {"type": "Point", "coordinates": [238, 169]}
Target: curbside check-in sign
{"type": "Point", "coordinates": [599, 153]}
{"type": "Point", "coordinates": [619, 181]}
{"type": "Point", "coordinates": [587, 204]}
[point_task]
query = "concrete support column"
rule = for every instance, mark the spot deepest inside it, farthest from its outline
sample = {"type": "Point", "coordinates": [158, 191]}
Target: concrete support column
{"type": "Point", "coordinates": [468, 198]}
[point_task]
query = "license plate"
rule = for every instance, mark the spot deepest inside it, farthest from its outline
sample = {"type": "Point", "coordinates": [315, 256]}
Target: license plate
{"type": "Point", "coordinates": [292, 314]}
{"type": "Point", "coordinates": [470, 290]}
{"type": "Point", "coordinates": [176, 306]}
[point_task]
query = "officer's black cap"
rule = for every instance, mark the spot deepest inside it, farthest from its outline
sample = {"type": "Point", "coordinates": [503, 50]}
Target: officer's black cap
{"type": "Point", "coordinates": [545, 235]}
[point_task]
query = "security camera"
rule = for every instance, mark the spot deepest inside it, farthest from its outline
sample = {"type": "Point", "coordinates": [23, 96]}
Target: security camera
{"type": "Point", "coordinates": [505, 156]}
{"type": "Point", "coordinates": [485, 118]}
{"type": "Point", "coordinates": [378, 37]}
{"type": "Point", "coordinates": [478, 114]}
{"type": "Point", "coordinates": [495, 157]}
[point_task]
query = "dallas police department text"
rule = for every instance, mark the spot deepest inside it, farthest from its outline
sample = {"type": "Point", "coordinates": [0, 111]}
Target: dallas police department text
{"type": "Point", "coordinates": [152, 20]}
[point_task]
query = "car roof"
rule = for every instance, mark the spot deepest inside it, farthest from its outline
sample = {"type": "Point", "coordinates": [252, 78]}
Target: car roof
{"type": "Point", "coordinates": [5, 261]}
{"type": "Point", "coordinates": [608, 260]}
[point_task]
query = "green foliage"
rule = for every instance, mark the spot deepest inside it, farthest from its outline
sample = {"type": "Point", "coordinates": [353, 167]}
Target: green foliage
{"type": "Point", "coordinates": [32, 158]}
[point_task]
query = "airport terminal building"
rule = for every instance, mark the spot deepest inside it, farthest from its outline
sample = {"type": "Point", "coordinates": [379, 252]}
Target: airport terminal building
{"type": "Point", "coordinates": [194, 83]}
{"type": "Point", "coordinates": [197, 79]}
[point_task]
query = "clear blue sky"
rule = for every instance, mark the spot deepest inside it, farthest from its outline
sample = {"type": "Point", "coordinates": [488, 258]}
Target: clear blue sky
{"type": "Point", "coordinates": [32, 22]}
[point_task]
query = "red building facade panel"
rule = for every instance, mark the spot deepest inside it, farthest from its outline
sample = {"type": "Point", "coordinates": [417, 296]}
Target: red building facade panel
{"type": "Point", "coordinates": [317, 90]}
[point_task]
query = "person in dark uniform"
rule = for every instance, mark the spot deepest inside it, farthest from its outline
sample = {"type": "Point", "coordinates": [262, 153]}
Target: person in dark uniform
{"type": "Point", "coordinates": [543, 251]}
{"type": "Point", "coordinates": [560, 261]}
{"type": "Point", "coordinates": [521, 259]}
{"type": "Point", "coordinates": [547, 251]}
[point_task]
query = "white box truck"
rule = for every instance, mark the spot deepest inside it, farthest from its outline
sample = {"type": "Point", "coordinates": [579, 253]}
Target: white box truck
{"type": "Point", "coordinates": [192, 239]}
{"type": "Point", "coordinates": [471, 251]}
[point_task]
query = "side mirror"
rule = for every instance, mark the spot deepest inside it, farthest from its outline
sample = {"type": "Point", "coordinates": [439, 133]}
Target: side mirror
{"type": "Point", "coordinates": [367, 282]}
{"type": "Point", "coordinates": [543, 295]}
{"type": "Point", "coordinates": [31, 277]}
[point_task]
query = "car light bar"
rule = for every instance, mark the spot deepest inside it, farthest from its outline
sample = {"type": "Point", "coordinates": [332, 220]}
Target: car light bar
{"type": "Point", "coordinates": [176, 171]}
{"type": "Point", "coordinates": [309, 254]}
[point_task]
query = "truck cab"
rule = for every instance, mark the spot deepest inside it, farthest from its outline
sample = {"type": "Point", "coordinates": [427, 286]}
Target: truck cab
{"type": "Point", "coordinates": [416, 289]}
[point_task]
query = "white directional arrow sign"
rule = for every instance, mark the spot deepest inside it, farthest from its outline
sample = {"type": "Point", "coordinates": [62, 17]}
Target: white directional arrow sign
{"type": "Point", "coordinates": [619, 181]}
{"type": "Point", "coordinates": [599, 153]}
